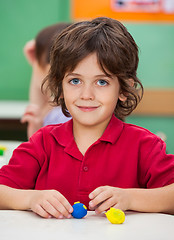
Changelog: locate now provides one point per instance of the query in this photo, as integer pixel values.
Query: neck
(85, 136)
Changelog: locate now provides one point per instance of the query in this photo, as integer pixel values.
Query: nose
(87, 92)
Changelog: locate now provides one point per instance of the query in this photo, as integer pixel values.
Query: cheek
(113, 104)
(112, 100)
(68, 98)
(111, 97)
(65, 91)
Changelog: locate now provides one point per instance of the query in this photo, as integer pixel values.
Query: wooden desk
(27, 225)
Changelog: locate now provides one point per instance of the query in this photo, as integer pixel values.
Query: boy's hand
(102, 198)
(50, 203)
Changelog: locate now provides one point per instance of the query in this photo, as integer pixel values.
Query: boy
(94, 158)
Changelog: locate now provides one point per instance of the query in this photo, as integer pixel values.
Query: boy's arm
(143, 200)
(153, 200)
(11, 198)
(45, 203)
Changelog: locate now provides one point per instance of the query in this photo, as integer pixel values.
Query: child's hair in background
(117, 55)
(44, 41)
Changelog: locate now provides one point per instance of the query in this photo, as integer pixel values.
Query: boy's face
(90, 96)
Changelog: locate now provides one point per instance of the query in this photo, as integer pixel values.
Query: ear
(122, 97)
(29, 51)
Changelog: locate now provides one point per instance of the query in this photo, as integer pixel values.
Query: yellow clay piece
(115, 216)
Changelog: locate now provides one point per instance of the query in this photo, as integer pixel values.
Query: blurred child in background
(40, 112)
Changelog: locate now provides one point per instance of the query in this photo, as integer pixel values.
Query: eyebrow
(78, 75)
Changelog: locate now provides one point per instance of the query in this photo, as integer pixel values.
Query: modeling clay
(80, 210)
(115, 216)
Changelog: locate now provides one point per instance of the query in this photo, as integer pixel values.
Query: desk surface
(27, 225)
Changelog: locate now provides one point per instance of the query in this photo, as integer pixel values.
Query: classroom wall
(156, 70)
(156, 53)
(20, 20)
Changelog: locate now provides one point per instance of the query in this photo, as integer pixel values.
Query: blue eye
(75, 81)
(102, 82)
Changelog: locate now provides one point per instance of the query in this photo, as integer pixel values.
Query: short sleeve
(25, 164)
(156, 167)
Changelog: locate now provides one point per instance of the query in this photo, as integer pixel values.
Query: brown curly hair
(116, 51)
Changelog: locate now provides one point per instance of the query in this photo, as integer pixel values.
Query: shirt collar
(63, 133)
(113, 130)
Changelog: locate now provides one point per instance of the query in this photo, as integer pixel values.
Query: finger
(65, 206)
(27, 118)
(41, 212)
(29, 113)
(32, 108)
(23, 120)
(100, 198)
(95, 207)
(50, 209)
(92, 208)
(104, 206)
(96, 192)
(60, 208)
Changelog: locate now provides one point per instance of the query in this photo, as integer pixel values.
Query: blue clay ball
(80, 210)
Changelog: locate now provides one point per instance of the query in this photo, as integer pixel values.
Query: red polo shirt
(125, 156)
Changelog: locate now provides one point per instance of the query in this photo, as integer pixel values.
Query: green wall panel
(20, 20)
(155, 41)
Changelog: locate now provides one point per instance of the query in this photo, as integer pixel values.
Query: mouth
(87, 108)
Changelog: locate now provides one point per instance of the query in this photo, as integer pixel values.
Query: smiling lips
(87, 109)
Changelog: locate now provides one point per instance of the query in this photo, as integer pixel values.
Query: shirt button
(85, 168)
